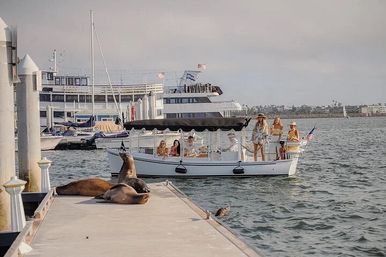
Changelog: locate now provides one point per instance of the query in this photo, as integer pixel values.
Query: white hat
(231, 134)
(293, 123)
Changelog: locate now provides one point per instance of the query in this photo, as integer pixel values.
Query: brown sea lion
(124, 194)
(138, 184)
(85, 187)
(224, 211)
(128, 168)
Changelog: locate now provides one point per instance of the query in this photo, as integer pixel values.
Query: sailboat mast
(92, 61)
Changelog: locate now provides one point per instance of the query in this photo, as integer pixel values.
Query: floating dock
(168, 225)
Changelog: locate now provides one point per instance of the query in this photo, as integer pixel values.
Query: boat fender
(238, 170)
(181, 168)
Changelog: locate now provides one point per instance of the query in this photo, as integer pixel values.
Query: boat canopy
(197, 124)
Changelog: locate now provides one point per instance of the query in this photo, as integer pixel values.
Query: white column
(139, 110)
(152, 105)
(7, 124)
(145, 108)
(28, 125)
(14, 187)
(44, 166)
(128, 112)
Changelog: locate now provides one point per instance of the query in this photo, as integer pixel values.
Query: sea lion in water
(224, 211)
(85, 187)
(124, 194)
(128, 168)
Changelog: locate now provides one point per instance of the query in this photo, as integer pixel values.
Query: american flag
(161, 75)
(201, 66)
(310, 134)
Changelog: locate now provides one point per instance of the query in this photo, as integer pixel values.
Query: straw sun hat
(293, 123)
(261, 115)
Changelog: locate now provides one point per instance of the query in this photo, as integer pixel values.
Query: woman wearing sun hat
(259, 136)
(293, 136)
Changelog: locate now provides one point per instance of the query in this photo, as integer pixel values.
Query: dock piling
(7, 124)
(28, 123)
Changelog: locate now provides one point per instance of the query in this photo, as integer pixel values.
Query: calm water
(335, 206)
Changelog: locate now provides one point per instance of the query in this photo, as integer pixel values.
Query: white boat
(214, 162)
(46, 142)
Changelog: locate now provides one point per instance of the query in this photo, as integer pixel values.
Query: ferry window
(63, 80)
(58, 114)
(77, 81)
(185, 100)
(83, 82)
(47, 89)
(88, 98)
(171, 115)
(45, 97)
(57, 80)
(110, 98)
(71, 98)
(159, 112)
(136, 97)
(99, 98)
(50, 76)
(69, 114)
(126, 98)
(70, 81)
(57, 98)
(43, 114)
(82, 98)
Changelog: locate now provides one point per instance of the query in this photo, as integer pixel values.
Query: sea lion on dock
(138, 184)
(85, 187)
(128, 168)
(124, 194)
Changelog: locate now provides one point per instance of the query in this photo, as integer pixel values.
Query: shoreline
(316, 116)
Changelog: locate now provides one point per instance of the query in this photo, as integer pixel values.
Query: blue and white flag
(190, 76)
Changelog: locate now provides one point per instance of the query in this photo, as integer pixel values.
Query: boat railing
(208, 145)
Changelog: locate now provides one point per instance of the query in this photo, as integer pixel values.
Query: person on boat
(275, 131)
(259, 136)
(189, 149)
(162, 150)
(281, 153)
(175, 149)
(233, 143)
(277, 127)
(293, 137)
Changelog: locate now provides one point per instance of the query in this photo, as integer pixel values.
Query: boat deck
(168, 225)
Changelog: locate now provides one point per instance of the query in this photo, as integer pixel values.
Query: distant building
(373, 109)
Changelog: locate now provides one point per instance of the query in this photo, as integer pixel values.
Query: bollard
(44, 165)
(14, 187)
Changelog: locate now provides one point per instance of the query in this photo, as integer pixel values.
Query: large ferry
(69, 98)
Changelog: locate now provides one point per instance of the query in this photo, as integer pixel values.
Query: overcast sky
(259, 52)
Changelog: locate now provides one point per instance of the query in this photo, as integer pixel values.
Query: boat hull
(150, 166)
(46, 142)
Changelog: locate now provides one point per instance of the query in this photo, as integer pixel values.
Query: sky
(260, 52)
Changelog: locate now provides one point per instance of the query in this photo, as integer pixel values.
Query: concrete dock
(168, 225)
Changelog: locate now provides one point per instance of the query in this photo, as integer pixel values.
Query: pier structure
(8, 76)
(168, 225)
(28, 123)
